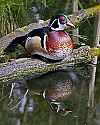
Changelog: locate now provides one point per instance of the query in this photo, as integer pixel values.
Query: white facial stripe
(44, 42)
(53, 22)
(61, 26)
(59, 22)
(66, 17)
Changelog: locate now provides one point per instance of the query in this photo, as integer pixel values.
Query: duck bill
(70, 24)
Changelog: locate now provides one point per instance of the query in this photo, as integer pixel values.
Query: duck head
(60, 22)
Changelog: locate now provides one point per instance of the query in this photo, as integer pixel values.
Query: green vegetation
(19, 13)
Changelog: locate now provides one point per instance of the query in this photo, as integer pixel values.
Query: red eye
(62, 18)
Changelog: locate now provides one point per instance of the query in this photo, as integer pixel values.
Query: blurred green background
(18, 13)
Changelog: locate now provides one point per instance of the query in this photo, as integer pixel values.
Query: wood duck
(59, 94)
(50, 42)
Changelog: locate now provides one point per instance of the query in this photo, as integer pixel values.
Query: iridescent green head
(60, 22)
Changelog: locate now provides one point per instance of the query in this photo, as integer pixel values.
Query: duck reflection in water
(55, 88)
(59, 95)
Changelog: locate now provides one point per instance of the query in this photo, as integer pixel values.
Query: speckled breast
(61, 91)
(58, 40)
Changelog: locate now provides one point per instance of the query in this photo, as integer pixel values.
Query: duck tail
(18, 40)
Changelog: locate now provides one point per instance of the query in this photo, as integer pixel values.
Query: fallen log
(26, 68)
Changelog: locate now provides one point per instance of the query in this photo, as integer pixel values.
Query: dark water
(27, 106)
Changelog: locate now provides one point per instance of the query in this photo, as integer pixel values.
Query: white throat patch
(61, 26)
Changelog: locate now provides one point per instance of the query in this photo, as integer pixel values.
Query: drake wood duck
(57, 89)
(49, 42)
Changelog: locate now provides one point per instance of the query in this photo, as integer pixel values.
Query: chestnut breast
(61, 91)
(58, 40)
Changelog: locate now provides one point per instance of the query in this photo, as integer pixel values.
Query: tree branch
(26, 68)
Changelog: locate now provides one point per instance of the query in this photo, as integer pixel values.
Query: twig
(79, 36)
(12, 87)
(92, 81)
(21, 101)
(91, 103)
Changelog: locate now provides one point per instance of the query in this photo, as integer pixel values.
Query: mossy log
(26, 67)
